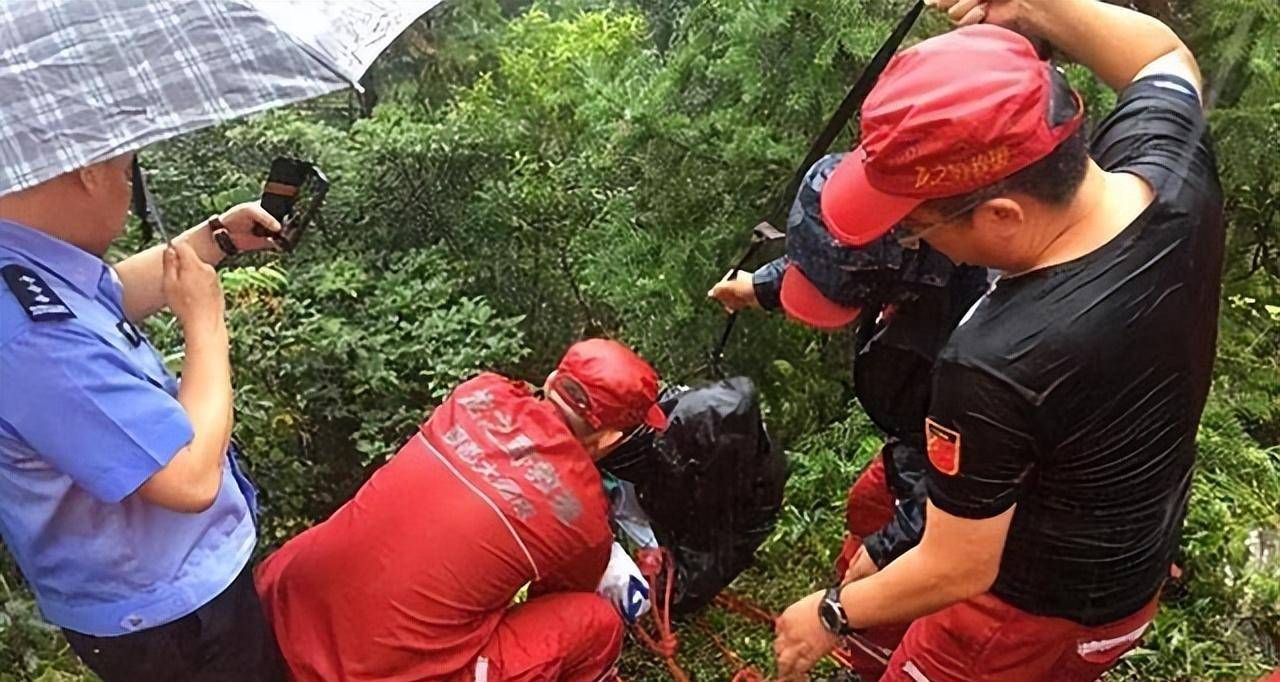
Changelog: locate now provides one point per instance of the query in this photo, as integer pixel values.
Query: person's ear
(1002, 216)
(603, 442)
(99, 178)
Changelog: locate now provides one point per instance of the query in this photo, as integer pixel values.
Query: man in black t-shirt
(1061, 435)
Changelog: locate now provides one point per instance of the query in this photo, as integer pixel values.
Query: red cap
(621, 388)
(802, 301)
(952, 115)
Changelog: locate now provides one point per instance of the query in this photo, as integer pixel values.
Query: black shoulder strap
(38, 299)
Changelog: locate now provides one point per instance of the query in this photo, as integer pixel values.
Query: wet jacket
(894, 353)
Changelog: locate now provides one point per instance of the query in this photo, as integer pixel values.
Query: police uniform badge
(38, 299)
(943, 445)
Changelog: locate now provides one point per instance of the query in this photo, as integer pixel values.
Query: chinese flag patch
(943, 445)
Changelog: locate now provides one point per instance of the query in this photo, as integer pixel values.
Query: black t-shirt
(1075, 391)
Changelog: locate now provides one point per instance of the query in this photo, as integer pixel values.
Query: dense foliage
(517, 177)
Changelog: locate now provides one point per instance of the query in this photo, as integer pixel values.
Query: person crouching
(415, 577)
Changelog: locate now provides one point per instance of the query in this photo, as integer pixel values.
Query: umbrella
(88, 80)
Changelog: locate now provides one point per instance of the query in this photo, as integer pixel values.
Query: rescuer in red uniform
(414, 578)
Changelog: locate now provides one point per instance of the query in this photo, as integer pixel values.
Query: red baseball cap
(804, 302)
(951, 115)
(621, 388)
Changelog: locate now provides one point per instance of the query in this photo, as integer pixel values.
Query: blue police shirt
(88, 412)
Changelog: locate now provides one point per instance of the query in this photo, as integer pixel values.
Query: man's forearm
(205, 394)
(957, 558)
(1113, 42)
(142, 274)
(909, 587)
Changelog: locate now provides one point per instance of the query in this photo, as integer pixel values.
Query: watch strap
(831, 603)
(222, 237)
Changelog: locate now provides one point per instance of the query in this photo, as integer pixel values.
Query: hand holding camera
(246, 228)
(293, 192)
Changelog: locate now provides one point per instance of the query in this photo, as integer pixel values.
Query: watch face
(830, 617)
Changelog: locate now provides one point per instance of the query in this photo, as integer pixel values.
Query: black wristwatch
(831, 613)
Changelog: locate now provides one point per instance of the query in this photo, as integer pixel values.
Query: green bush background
(518, 176)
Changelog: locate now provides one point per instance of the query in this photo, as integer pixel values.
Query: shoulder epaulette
(37, 298)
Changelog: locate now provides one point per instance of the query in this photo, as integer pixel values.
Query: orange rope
(734, 604)
(658, 568)
(743, 607)
(654, 563)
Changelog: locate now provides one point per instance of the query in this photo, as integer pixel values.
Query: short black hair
(1053, 179)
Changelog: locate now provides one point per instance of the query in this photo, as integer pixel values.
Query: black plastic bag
(711, 485)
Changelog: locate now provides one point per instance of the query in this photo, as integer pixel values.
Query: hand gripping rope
(741, 606)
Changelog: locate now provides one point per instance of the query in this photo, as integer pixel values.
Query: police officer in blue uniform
(120, 496)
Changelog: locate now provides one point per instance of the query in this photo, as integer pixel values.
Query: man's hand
(1115, 43)
(800, 640)
(861, 567)
(240, 222)
(961, 12)
(192, 291)
(735, 292)
(1006, 13)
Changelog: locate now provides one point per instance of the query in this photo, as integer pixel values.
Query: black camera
(293, 194)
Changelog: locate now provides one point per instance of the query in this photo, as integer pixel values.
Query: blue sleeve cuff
(172, 433)
(768, 283)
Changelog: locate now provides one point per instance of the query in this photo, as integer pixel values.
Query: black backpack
(711, 485)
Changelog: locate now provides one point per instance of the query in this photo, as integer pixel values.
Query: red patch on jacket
(943, 445)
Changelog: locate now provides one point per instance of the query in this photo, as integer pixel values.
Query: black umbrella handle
(145, 206)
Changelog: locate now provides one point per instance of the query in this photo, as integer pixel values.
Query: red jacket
(408, 580)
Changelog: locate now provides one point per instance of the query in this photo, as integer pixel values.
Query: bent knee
(598, 615)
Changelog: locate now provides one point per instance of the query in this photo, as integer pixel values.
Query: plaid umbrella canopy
(83, 81)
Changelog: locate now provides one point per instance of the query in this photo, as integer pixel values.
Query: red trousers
(571, 636)
(981, 638)
(986, 639)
